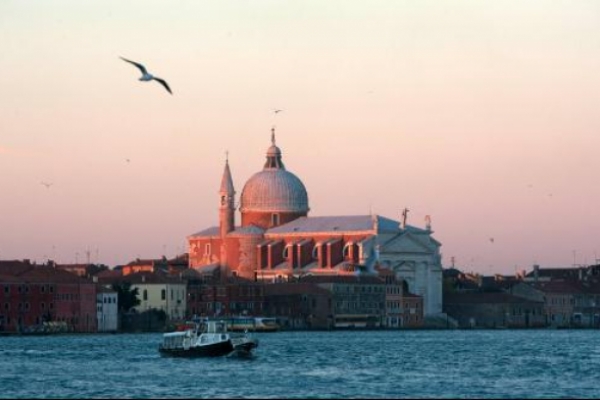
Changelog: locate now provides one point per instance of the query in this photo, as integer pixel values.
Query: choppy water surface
(385, 364)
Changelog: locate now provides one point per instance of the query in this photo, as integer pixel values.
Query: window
(274, 219)
(6, 289)
(207, 249)
(145, 295)
(315, 252)
(163, 294)
(171, 294)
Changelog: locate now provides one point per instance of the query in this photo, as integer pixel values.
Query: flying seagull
(148, 77)
(47, 184)
(277, 111)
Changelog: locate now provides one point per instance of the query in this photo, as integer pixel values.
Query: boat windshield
(216, 327)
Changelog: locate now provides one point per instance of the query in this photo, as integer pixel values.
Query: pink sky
(482, 114)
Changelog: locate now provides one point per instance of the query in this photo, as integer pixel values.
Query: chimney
(536, 272)
(95, 279)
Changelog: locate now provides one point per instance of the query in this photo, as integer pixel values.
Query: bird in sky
(277, 111)
(47, 184)
(147, 76)
(492, 240)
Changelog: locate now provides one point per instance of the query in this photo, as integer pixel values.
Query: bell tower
(227, 203)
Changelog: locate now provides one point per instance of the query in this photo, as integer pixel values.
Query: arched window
(347, 250)
(275, 219)
(315, 252)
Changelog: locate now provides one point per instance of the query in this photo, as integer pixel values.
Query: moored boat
(206, 339)
(252, 324)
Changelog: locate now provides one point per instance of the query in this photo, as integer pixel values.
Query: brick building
(33, 294)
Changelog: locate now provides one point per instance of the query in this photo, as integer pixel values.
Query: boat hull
(209, 350)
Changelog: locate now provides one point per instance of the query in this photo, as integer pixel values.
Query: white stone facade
(415, 257)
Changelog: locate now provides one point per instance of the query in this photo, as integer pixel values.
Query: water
(381, 364)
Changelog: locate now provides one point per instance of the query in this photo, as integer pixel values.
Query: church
(277, 240)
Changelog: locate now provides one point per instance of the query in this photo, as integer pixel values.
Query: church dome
(274, 189)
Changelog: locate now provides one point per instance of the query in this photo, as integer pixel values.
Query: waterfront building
(299, 305)
(559, 299)
(494, 310)
(107, 308)
(158, 291)
(278, 241)
(393, 299)
(34, 294)
(214, 298)
(356, 301)
(412, 311)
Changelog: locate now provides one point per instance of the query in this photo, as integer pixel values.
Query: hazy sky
(482, 114)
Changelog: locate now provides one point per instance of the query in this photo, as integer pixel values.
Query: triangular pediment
(405, 243)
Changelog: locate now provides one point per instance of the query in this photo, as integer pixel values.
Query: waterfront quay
(155, 294)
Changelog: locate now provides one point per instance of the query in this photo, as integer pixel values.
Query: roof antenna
(273, 135)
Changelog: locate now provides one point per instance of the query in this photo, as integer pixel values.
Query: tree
(127, 297)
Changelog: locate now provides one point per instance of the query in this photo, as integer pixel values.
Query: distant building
(35, 294)
(299, 305)
(558, 297)
(356, 301)
(158, 291)
(412, 310)
(172, 266)
(394, 293)
(107, 309)
(277, 240)
(494, 310)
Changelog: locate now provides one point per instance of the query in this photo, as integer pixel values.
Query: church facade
(277, 240)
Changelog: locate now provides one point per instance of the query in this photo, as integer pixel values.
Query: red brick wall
(87, 321)
(232, 246)
(25, 305)
(197, 248)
